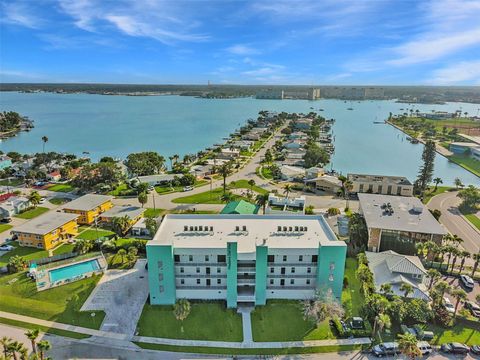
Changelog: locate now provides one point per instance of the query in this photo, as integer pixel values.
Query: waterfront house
(244, 145)
(462, 148)
(292, 173)
(200, 171)
(47, 231)
(5, 162)
(295, 144)
(89, 207)
(380, 184)
(244, 259)
(327, 183)
(294, 153)
(54, 176)
(314, 172)
(302, 124)
(291, 162)
(241, 207)
(388, 267)
(228, 153)
(297, 135)
(251, 136)
(285, 205)
(398, 223)
(157, 179)
(13, 205)
(133, 213)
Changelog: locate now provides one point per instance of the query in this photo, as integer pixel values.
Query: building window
(182, 281)
(332, 266)
(176, 258)
(160, 264)
(190, 258)
(237, 228)
(284, 228)
(191, 228)
(314, 258)
(244, 228)
(200, 228)
(221, 258)
(279, 228)
(284, 257)
(271, 258)
(219, 270)
(272, 281)
(208, 282)
(309, 270)
(300, 258)
(198, 270)
(219, 281)
(292, 270)
(296, 228)
(161, 288)
(330, 278)
(198, 281)
(207, 258)
(272, 270)
(182, 270)
(308, 282)
(292, 281)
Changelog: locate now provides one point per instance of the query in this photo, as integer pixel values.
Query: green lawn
(266, 173)
(60, 304)
(473, 218)
(116, 262)
(243, 184)
(257, 352)
(467, 162)
(127, 242)
(5, 227)
(61, 188)
(153, 212)
(352, 299)
(431, 193)
(63, 249)
(59, 200)
(458, 333)
(32, 213)
(11, 182)
(207, 321)
(122, 190)
(207, 197)
(59, 332)
(92, 234)
(167, 189)
(28, 253)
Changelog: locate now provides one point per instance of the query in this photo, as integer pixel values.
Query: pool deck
(43, 274)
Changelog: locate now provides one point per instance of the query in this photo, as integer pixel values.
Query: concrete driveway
(121, 294)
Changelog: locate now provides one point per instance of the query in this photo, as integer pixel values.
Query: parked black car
(455, 348)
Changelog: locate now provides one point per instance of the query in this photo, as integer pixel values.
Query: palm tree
(476, 258)
(121, 225)
(32, 335)
(122, 253)
(5, 342)
(441, 288)
(262, 200)
(181, 310)
(34, 198)
(44, 140)
(437, 181)
(464, 254)
(14, 348)
(227, 197)
(171, 161)
(142, 198)
(406, 288)
(386, 289)
(458, 183)
(459, 295)
(225, 171)
(434, 275)
(251, 182)
(407, 344)
(43, 346)
(287, 189)
(455, 253)
(382, 321)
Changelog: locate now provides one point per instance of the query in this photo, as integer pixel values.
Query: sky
(375, 42)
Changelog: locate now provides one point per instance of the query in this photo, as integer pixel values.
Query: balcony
(246, 281)
(296, 276)
(198, 276)
(284, 264)
(288, 287)
(200, 287)
(211, 264)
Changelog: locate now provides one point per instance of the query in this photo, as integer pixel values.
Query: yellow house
(48, 230)
(89, 207)
(133, 213)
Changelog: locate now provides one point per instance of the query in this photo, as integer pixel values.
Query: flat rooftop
(380, 179)
(45, 223)
(215, 231)
(409, 214)
(120, 211)
(87, 202)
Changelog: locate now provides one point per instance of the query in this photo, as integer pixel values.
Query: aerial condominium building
(244, 259)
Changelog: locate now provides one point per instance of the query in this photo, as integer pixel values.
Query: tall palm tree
(476, 258)
(458, 183)
(227, 197)
(225, 171)
(406, 288)
(287, 189)
(441, 288)
(43, 346)
(459, 295)
(262, 200)
(382, 321)
(181, 310)
(34, 198)
(434, 275)
(142, 198)
(5, 342)
(407, 343)
(14, 348)
(437, 181)
(455, 253)
(121, 225)
(386, 289)
(171, 161)
(32, 335)
(44, 140)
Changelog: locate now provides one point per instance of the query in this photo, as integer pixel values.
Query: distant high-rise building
(270, 94)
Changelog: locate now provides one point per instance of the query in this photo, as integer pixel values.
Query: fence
(68, 261)
(54, 258)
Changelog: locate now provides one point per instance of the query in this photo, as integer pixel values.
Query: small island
(12, 122)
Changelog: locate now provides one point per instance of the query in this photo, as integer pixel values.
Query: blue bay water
(119, 125)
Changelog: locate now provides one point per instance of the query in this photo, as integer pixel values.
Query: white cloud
(18, 13)
(265, 70)
(241, 49)
(459, 73)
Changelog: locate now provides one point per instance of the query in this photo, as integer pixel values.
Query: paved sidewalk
(176, 342)
(247, 326)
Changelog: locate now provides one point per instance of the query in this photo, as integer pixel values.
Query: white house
(13, 206)
(295, 144)
(228, 153)
(326, 183)
(292, 173)
(284, 205)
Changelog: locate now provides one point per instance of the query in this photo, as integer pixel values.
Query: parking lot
(455, 283)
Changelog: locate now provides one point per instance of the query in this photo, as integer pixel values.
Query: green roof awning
(241, 207)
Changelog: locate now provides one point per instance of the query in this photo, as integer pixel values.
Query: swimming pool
(74, 270)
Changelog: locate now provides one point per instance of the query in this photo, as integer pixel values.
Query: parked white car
(6, 247)
(424, 347)
(188, 188)
(467, 281)
(448, 305)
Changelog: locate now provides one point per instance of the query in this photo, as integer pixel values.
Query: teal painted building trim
(261, 275)
(331, 268)
(232, 293)
(161, 275)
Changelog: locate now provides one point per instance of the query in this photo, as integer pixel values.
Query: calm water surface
(118, 125)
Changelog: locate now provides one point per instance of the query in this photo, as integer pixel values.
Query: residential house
(200, 171)
(327, 183)
(302, 124)
(295, 144)
(380, 184)
(228, 153)
(48, 230)
(292, 173)
(13, 205)
(388, 267)
(133, 213)
(244, 259)
(285, 205)
(398, 223)
(89, 207)
(297, 135)
(54, 176)
(314, 172)
(140, 229)
(157, 179)
(462, 148)
(244, 145)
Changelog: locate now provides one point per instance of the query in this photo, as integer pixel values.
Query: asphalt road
(453, 220)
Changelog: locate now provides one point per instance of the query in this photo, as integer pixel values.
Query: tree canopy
(145, 163)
